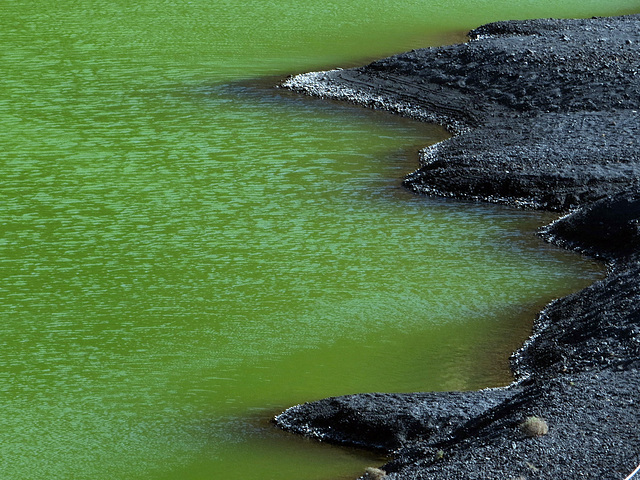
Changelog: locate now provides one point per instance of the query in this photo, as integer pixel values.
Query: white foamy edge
(320, 84)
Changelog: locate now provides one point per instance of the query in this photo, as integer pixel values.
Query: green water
(185, 251)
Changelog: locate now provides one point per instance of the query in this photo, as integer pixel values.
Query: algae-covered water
(185, 251)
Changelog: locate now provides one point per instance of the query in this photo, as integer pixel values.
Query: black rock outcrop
(545, 115)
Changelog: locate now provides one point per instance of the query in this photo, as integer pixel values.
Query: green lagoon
(186, 251)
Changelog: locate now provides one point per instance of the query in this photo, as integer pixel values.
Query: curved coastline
(545, 115)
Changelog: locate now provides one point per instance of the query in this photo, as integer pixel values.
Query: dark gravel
(546, 115)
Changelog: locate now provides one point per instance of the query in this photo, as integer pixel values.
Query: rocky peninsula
(545, 115)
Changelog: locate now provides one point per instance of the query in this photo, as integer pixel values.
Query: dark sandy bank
(546, 115)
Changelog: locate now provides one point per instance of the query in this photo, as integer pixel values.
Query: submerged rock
(546, 116)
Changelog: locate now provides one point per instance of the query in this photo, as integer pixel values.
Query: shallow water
(185, 251)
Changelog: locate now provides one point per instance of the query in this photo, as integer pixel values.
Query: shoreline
(545, 115)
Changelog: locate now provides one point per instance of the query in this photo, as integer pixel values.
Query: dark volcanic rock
(552, 106)
(554, 161)
(386, 421)
(598, 327)
(546, 113)
(607, 229)
(592, 419)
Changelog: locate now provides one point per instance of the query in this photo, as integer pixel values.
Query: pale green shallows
(185, 251)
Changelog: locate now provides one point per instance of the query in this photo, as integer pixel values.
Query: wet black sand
(546, 115)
